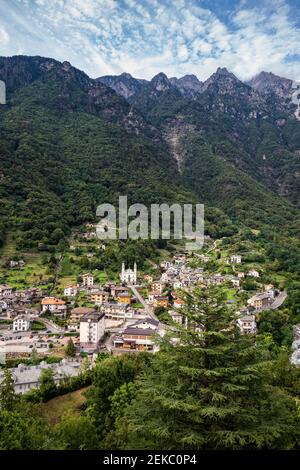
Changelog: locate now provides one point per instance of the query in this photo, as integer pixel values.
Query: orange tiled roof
(52, 301)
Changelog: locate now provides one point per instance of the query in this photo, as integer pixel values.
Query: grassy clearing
(53, 410)
(101, 278)
(230, 293)
(33, 272)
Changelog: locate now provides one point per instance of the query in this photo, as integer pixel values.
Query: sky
(145, 37)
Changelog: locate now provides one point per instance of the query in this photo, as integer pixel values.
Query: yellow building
(99, 297)
(124, 298)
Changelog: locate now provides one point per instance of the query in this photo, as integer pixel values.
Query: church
(129, 276)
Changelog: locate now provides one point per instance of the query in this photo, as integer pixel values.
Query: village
(119, 317)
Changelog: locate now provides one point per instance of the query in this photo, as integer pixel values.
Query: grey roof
(248, 318)
(261, 296)
(30, 374)
(82, 310)
(93, 316)
(139, 331)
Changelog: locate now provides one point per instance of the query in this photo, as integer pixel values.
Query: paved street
(141, 299)
(50, 325)
(279, 300)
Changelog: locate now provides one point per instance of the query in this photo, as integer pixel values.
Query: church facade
(129, 276)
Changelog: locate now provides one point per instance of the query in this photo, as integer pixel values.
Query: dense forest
(69, 143)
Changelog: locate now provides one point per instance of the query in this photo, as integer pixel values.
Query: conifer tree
(7, 391)
(70, 349)
(210, 389)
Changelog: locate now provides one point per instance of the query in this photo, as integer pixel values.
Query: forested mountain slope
(69, 143)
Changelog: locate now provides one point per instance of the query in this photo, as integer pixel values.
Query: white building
(87, 279)
(3, 306)
(179, 258)
(16, 264)
(92, 327)
(27, 377)
(55, 306)
(21, 323)
(176, 317)
(235, 282)
(70, 291)
(247, 324)
(166, 264)
(5, 290)
(236, 259)
(179, 303)
(177, 284)
(269, 289)
(128, 276)
(253, 273)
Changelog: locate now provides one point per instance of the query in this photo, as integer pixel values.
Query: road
(51, 325)
(152, 263)
(141, 299)
(214, 245)
(279, 300)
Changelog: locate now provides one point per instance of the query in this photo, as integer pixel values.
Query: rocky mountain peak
(223, 71)
(188, 85)
(66, 66)
(268, 82)
(124, 85)
(223, 82)
(189, 78)
(161, 82)
(126, 75)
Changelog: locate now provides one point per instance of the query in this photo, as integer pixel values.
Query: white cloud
(4, 37)
(144, 38)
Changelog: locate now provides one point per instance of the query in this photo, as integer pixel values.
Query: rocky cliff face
(124, 85)
(225, 93)
(259, 98)
(249, 127)
(189, 85)
(160, 82)
(276, 90)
